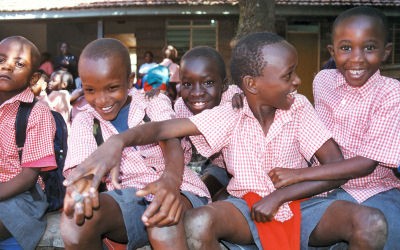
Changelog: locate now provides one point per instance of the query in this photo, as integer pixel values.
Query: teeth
(292, 94)
(356, 72)
(106, 108)
(198, 103)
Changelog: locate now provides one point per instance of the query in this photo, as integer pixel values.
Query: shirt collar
(25, 96)
(363, 90)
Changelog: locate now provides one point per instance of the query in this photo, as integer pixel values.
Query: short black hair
(247, 57)
(148, 52)
(107, 48)
(210, 53)
(364, 11)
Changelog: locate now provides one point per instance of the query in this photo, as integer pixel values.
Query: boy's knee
(70, 235)
(371, 226)
(198, 224)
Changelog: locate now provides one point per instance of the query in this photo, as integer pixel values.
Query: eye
(19, 64)
(88, 91)
(186, 84)
(113, 88)
(345, 48)
(370, 47)
(288, 76)
(209, 83)
(2, 59)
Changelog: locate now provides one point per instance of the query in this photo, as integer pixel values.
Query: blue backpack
(53, 180)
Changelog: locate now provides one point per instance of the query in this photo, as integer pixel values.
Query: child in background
(39, 87)
(148, 64)
(170, 55)
(204, 86)
(58, 96)
(275, 128)
(122, 216)
(22, 201)
(361, 108)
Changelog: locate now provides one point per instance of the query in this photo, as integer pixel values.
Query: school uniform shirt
(38, 151)
(295, 135)
(364, 122)
(140, 165)
(182, 111)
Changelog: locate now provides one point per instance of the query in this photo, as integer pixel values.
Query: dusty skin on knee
(371, 228)
(198, 227)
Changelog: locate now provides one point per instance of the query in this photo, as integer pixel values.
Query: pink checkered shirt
(38, 147)
(295, 135)
(182, 111)
(139, 166)
(364, 122)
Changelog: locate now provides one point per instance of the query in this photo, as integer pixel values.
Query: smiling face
(278, 82)
(359, 48)
(105, 85)
(201, 83)
(17, 59)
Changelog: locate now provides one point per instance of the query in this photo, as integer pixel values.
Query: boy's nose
(197, 89)
(357, 55)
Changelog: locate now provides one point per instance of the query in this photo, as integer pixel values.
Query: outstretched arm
(107, 157)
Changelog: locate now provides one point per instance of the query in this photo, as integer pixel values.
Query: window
(395, 39)
(186, 34)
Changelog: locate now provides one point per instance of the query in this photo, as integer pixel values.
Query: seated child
(58, 95)
(122, 216)
(361, 108)
(39, 87)
(204, 86)
(275, 128)
(22, 201)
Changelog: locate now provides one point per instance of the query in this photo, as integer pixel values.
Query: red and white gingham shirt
(182, 111)
(295, 135)
(38, 148)
(364, 122)
(139, 166)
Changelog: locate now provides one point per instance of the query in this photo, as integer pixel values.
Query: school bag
(54, 189)
(156, 77)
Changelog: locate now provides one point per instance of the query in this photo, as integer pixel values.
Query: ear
(331, 50)
(35, 77)
(64, 85)
(131, 78)
(388, 50)
(249, 84)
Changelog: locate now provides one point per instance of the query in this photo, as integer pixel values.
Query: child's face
(279, 81)
(105, 85)
(359, 48)
(201, 84)
(55, 82)
(15, 66)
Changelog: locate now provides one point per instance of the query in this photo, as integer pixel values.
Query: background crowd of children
(199, 161)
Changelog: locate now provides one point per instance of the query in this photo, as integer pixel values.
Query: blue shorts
(244, 209)
(23, 216)
(387, 202)
(133, 207)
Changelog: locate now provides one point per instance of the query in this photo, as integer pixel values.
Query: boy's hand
(237, 101)
(282, 177)
(151, 93)
(266, 208)
(80, 200)
(105, 159)
(166, 207)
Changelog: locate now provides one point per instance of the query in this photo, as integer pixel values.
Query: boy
(122, 216)
(276, 127)
(22, 201)
(361, 108)
(204, 86)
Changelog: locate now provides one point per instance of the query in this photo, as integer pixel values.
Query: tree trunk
(255, 15)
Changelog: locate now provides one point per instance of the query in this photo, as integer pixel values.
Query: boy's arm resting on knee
(166, 208)
(22, 182)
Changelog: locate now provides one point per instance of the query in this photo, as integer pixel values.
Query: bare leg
(362, 227)
(219, 220)
(107, 220)
(172, 237)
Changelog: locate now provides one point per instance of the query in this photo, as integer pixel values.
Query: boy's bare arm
(166, 208)
(107, 157)
(329, 170)
(19, 184)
